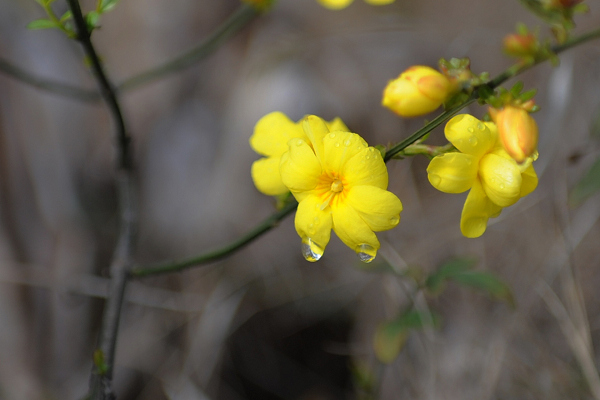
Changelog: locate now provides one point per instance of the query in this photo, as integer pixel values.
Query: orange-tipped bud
(519, 45)
(517, 130)
(417, 91)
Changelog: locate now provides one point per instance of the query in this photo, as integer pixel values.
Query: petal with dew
(299, 167)
(477, 210)
(452, 172)
(313, 223)
(338, 148)
(351, 228)
(366, 168)
(469, 135)
(266, 176)
(501, 179)
(379, 208)
(273, 132)
(530, 181)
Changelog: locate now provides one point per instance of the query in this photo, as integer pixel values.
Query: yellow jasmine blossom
(271, 135)
(517, 131)
(481, 165)
(339, 4)
(417, 91)
(340, 183)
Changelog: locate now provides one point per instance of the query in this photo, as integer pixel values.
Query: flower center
(337, 186)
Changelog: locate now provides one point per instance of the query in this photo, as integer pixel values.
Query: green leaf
(516, 89)
(587, 186)
(66, 16)
(41, 24)
(92, 19)
(528, 95)
(391, 336)
(461, 271)
(107, 5)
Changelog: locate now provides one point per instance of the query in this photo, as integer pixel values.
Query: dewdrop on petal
(417, 91)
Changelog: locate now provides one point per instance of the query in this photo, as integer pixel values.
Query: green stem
(243, 15)
(494, 83)
(221, 252)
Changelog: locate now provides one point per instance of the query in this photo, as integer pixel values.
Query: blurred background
(264, 323)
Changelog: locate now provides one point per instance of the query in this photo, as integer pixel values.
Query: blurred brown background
(264, 323)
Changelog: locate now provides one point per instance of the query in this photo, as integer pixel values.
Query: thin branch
(101, 379)
(494, 83)
(240, 18)
(49, 85)
(221, 252)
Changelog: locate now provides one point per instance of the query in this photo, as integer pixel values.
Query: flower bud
(519, 45)
(517, 130)
(417, 91)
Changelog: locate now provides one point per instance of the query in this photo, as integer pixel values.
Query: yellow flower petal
(299, 167)
(315, 129)
(452, 172)
(470, 135)
(266, 177)
(366, 168)
(339, 147)
(477, 210)
(530, 181)
(352, 229)
(379, 208)
(335, 4)
(501, 179)
(337, 125)
(272, 134)
(313, 223)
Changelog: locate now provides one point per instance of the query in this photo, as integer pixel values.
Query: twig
(101, 379)
(49, 85)
(222, 252)
(240, 18)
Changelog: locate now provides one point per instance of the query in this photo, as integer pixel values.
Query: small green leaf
(461, 271)
(528, 95)
(41, 24)
(92, 19)
(587, 186)
(516, 89)
(391, 336)
(107, 5)
(66, 16)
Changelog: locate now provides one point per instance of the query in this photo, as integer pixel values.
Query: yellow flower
(339, 4)
(417, 91)
(271, 135)
(517, 130)
(483, 166)
(340, 183)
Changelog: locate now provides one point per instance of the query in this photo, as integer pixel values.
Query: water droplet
(365, 252)
(316, 219)
(394, 220)
(435, 180)
(337, 144)
(311, 229)
(347, 142)
(480, 126)
(502, 186)
(310, 250)
(470, 129)
(332, 135)
(367, 157)
(299, 142)
(371, 149)
(473, 140)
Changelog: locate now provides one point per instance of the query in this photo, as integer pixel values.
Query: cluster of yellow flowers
(339, 181)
